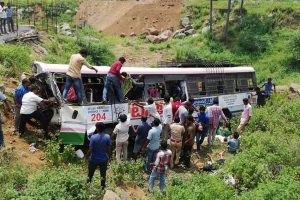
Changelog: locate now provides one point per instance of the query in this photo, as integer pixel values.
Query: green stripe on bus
(72, 138)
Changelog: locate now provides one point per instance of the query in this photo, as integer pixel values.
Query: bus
(229, 84)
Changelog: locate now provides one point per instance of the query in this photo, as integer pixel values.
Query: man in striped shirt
(215, 112)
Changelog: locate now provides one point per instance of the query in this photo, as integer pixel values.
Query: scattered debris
(79, 154)
(32, 148)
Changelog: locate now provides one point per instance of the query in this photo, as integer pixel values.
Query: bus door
(176, 86)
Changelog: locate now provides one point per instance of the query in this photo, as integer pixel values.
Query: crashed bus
(229, 83)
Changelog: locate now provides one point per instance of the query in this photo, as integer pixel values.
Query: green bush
(294, 45)
(60, 183)
(14, 59)
(250, 42)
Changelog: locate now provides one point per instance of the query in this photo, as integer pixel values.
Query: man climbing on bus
(74, 75)
(114, 77)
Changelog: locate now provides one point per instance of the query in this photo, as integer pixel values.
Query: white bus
(229, 84)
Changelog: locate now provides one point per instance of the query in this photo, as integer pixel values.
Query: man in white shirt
(30, 110)
(246, 116)
(167, 118)
(121, 130)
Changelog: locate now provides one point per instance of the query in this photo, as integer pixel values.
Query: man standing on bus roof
(246, 116)
(215, 112)
(268, 87)
(74, 74)
(114, 77)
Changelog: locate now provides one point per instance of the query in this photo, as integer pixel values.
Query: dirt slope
(129, 16)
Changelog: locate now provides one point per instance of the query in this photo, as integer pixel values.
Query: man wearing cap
(74, 74)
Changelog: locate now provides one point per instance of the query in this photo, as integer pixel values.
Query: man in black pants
(99, 153)
(29, 110)
(189, 141)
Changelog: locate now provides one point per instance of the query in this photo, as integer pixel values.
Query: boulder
(153, 39)
(178, 32)
(190, 32)
(122, 35)
(188, 27)
(180, 35)
(282, 88)
(185, 21)
(132, 34)
(165, 35)
(153, 31)
(205, 29)
(295, 88)
(110, 195)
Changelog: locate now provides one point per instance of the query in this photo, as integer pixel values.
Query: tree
(210, 16)
(227, 21)
(241, 8)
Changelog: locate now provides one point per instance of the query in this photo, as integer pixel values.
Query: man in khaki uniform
(177, 131)
(74, 74)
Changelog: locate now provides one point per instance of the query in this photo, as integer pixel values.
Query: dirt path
(129, 16)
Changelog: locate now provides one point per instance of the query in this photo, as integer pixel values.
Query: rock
(132, 34)
(295, 88)
(180, 35)
(153, 31)
(110, 195)
(153, 39)
(185, 21)
(122, 35)
(177, 32)
(65, 29)
(188, 27)
(165, 35)
(292, 96)
(190, 32)
(282, 88)
(205, 29)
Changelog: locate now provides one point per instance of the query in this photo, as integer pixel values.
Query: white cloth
(247, 113)
(152, 113)
(121, 130)
(167, 116)
(29, 103)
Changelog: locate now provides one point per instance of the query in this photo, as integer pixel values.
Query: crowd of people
(6, 18)
(163, 141)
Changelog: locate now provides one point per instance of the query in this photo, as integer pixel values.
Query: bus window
(237, 85)
(156, 91)
(250, 85)
(220, 87)
(229, 86)
(243, 85)
(201, 87)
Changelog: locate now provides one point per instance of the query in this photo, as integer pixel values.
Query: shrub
(294, 45)
(14, 59)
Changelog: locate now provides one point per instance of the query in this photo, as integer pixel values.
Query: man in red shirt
(176, 105)
(114, 76)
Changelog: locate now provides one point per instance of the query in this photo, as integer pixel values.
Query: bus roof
(62, 68)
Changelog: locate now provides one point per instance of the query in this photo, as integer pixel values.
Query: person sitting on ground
(246, 116)
(268, 87)
(160, 167)
(74, 74)
(234, 143)
(177, 130)
(114, 76)
(29, 110)
(121, 131)
(7, 105)
(99, 153)
(141, 136)
(152, 142)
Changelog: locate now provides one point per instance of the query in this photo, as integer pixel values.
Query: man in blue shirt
(152, 143)
(18, 95)
(234, 144)
(10, 22)
(3, 98)
(268, 87)
(99, 153)
(141, 136)
(202, 128)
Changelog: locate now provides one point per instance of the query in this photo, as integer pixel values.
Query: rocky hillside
(129, 17)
